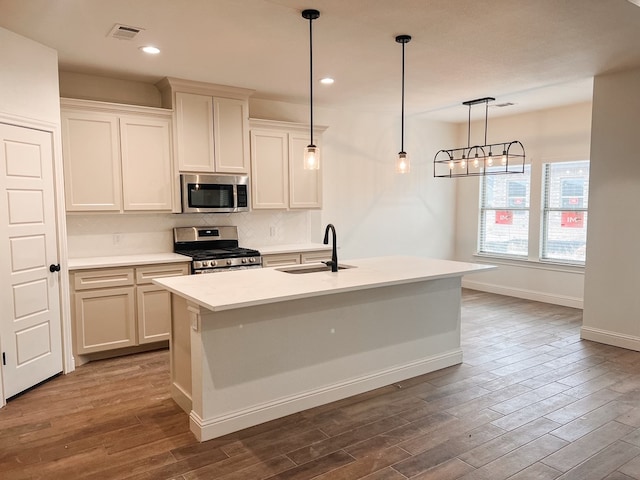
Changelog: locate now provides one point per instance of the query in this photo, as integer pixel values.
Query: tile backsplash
(96, 235)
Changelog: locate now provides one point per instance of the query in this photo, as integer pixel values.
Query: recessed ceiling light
(327, 81)
(151, 50)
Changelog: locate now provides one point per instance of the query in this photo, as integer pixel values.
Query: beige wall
(558, 134)
(29, 79)
(612, 302)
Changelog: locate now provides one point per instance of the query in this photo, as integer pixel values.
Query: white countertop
(258, 286)
(290, 248)
(126, 260)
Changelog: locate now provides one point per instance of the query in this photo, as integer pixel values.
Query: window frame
(534, 258)
(546, 209)
(483, 209)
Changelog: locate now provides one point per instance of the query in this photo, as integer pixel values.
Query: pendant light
(402, 162)
(311, 153)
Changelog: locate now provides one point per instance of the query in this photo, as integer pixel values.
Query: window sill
(526, 263)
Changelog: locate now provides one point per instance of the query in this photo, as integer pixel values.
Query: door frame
(68, 361)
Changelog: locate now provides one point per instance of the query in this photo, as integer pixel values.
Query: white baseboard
(206, 429)
(610, 338)
(182, 398)
(536, 296)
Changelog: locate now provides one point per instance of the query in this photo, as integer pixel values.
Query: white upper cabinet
(211, 124)
(116, 158)
(91, 152)
(269, 169)
(278, 177)
(194, 132)
(146, 163)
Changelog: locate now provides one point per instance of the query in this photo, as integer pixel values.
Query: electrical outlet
(272, 231)
(116, 239)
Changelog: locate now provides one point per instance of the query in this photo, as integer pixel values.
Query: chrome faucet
(334, 252)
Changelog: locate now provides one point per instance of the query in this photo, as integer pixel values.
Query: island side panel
(180, 352)
(254, 364)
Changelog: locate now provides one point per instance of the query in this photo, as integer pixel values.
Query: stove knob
(213, 263)
(205, 264)
(244, 260)
(252, 260)
(229, 262)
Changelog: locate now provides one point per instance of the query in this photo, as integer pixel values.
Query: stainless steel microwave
(214, 193)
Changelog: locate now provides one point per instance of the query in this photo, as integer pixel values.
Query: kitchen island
(249, 346)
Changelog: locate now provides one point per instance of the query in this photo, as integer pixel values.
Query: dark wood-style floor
(530, 401)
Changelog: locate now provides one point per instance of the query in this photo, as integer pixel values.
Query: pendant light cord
(311, 76)
(402, 118)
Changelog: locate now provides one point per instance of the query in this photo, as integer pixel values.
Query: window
(564, 234)
(504, 214)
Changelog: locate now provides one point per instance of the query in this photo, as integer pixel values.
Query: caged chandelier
(487, 159)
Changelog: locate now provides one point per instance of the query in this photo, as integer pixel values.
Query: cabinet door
(269, 170)
(280, 259)
(231, 120)
(154, 313)
(305, 186)
(104, 319)
(91, 155)
(146, 163)
(194, 127)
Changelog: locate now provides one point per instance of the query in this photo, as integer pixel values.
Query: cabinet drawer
(280, 259)
(105, 277)
(314, 257)
(146, 274)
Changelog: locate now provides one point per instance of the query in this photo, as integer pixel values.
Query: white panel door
(30, 324)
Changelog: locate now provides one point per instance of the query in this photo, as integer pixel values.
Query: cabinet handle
(54, 268)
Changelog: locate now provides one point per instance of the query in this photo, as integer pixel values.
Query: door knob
(54, 268)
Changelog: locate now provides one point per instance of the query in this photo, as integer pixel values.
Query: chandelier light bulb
(463, 163)
(490, 159)
(451, 165)
(504, 157)
(475, 161)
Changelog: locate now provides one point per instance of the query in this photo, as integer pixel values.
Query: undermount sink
(311, 268)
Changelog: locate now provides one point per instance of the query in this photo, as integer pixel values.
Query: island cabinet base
(254, 364)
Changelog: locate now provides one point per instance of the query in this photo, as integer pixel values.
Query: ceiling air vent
(505, 104)
(124, 32)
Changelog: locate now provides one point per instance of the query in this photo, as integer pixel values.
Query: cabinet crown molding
(169, 85)
(98, 106)
(257, 123)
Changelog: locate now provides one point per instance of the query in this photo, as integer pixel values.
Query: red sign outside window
(504, 217)
(572, 219)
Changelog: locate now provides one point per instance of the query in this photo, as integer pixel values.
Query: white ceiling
(534, 53)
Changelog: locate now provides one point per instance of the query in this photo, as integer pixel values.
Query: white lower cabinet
(120, 307)
(295, 258)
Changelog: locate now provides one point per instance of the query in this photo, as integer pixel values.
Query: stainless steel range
(214, 249)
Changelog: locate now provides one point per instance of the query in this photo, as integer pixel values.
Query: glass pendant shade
(402, 163)
(311, 158)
